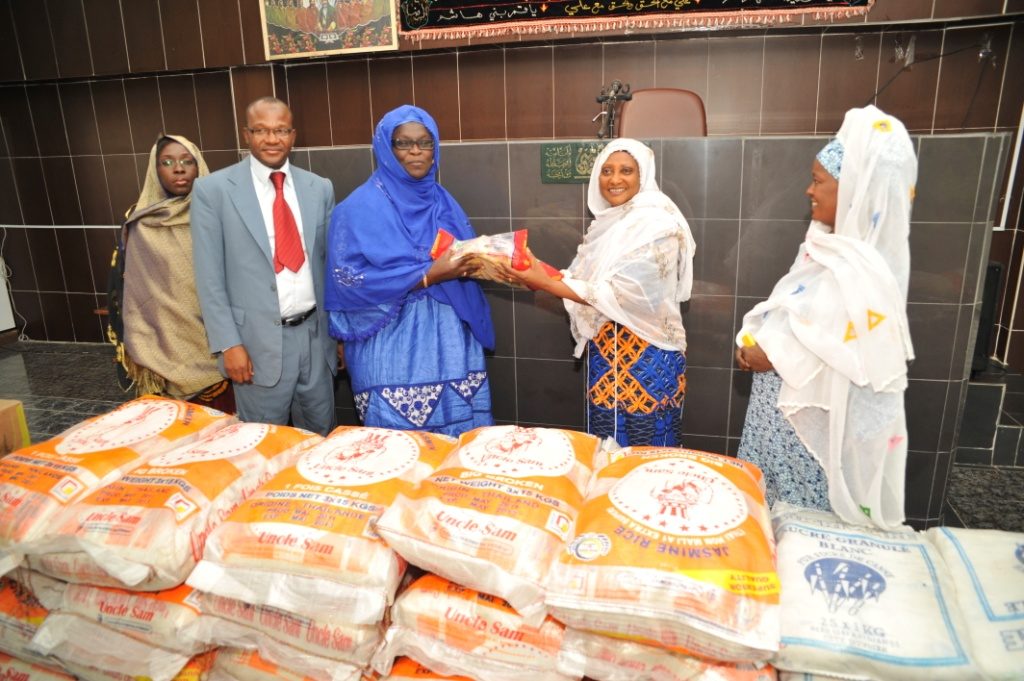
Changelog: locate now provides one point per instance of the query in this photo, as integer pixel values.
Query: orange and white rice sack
(673, 548)
(862, 603)
(157, 618)
(408, 669)
(323, 648)
(306, 541)
(459, 631)
(196, 669)
(21, 614)
(40, 480)
(14, 669)
(603, 658)
(987, 568)
(47, 590)
(146, 530)
(497, 513)
(238, 664)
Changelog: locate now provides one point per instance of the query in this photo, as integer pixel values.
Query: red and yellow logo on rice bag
(408, 669)
(17, 603)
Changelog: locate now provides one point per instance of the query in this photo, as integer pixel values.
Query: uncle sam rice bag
(14, 669)
(238, 664)
(306, 542)
(861, 603)
(673, 548)
(497, 513)
(41, 479)
(146, 530)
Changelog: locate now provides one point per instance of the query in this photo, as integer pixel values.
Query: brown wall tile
(216, 110)
(62, 191)
(390, 85)
(73, 251)
(178, 100)
(999, 251)
(28, 306)
(10, 211)
(34, 39)
(144, 114)
(70, 38)
(16, 118)
(93, 195)
(101, 249)
(734, 85)
(436, 90)
(967, 8)
(969, 89)
(47, 119)
(682, 64)
(910, 96)
(529, 92)
(57, 317)
(1010, 277)
(252, 32)
(46, 258)
(122, 183)
(143, 36)
(482, 97)
(10, 58)
(222, 32)
(18, 256)
(216, 160)
(106, 36)
(183, 44)
(87, 325)
(79, 118)
(1015, 350)
(249, 84)
(578, 76)
(115, 135)
(35, 207)
(791, 68)
(1013, 83)
(311, 111)
(900, 10)
(845, 81)
(631, 63)
(348, 85)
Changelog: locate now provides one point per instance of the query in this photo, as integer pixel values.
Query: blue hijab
(378, 245)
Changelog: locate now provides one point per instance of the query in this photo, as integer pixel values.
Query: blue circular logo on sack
(844, 584)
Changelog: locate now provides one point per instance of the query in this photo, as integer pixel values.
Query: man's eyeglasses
(183, 162)
(425, 144)
(276, 132)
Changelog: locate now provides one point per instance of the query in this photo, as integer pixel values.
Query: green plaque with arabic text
(568, 162)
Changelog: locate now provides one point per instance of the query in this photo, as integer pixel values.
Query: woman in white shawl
(831, 344)
(622, 292)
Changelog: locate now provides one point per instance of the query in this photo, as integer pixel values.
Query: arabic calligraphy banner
(441, 19)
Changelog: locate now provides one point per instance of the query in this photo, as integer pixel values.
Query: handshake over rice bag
(486, 251)
(673, 548)
(498, 512)
(42, 479)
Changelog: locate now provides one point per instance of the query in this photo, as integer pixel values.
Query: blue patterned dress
(791, 473)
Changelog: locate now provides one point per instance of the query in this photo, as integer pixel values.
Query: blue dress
(791, 473)
(423, 371)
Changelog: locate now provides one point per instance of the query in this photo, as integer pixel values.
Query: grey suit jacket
(234, 265)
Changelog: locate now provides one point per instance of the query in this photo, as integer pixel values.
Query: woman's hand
(533, 277)
(446, 268)
(752, 358)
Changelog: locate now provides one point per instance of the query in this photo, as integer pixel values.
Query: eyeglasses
(425, 144)
(276, 132)
(183, 162)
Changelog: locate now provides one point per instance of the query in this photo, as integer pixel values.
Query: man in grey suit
(259, 233)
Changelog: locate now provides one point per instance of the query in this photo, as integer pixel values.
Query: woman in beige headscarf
(164, 341)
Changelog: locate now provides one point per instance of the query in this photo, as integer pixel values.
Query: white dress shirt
(294, 289)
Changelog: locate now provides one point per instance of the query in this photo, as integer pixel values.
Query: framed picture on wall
(308, 28)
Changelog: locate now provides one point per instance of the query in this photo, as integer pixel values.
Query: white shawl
(835, 327)
(635, 264)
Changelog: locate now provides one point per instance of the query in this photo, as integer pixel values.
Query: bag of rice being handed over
(603, 658)
(38, 481)
(306, 542)
(458, 631)
(293, 640)
(146, 530)
(488, 250)
(987, 568)
(673, 548)
(862, 603)
(13, 669)
(497, 513)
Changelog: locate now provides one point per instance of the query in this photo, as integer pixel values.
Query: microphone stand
(608, 99)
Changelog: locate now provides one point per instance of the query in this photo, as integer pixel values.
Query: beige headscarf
(164, 337)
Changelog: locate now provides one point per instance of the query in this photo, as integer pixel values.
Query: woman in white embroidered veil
(831, 344)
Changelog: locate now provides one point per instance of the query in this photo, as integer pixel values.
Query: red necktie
(287, 245)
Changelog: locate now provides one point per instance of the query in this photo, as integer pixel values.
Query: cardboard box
(13, 427)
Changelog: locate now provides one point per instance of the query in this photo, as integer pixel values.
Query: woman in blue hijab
(414, 329)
